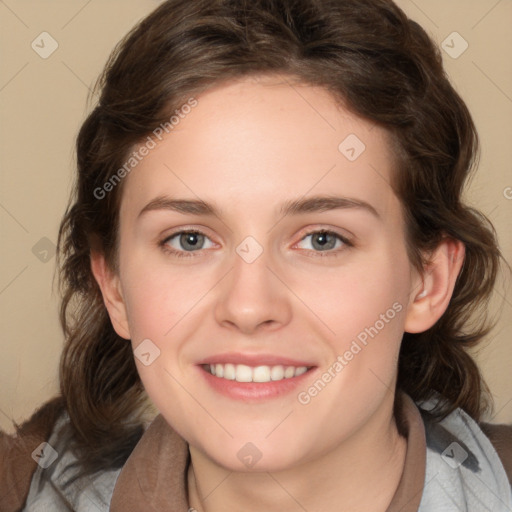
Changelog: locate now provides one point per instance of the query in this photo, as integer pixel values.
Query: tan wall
(43, 102)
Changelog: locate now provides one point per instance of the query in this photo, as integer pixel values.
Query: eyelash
(191, 254)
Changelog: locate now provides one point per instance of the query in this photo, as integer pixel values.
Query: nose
(253, 297)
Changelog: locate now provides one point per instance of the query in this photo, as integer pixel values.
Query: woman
(267, 239)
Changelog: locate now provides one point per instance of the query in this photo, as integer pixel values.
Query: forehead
(257, 142)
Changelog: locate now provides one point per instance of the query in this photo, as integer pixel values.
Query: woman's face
(298, 264)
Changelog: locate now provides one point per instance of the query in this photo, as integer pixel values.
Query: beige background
(43, 102)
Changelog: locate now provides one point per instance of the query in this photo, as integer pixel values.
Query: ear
(110, 288)
(428, 303)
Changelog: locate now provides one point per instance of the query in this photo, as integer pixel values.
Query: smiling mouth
(244, 373)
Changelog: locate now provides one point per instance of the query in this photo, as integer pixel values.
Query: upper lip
(254, 360)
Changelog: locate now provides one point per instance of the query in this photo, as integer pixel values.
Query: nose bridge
(250, 270)
(252, 295)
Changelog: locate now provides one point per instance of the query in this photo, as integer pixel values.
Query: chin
(250, 458)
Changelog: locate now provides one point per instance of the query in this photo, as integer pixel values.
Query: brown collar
(154, 477)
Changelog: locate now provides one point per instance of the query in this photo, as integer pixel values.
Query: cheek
(363, 306)
(353, 298)
(157, 296)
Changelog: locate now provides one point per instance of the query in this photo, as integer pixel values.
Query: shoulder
(501, 439)
(38, 467)
(489, 439)
(60, 485)
(21, 451)
(463, 460)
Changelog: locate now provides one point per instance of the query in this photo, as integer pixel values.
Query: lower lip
(254, 391)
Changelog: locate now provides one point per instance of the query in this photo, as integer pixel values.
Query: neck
(362, 473)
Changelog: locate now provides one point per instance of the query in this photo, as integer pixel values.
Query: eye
(325, 241)
(184, 242)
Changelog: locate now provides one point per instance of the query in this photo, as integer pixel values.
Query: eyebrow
(293, 207)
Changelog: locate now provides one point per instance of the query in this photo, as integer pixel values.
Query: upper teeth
(244, 373)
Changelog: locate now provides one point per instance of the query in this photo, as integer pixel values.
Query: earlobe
(111, 291)
(429, 303)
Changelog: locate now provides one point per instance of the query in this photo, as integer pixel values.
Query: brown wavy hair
(369, 56)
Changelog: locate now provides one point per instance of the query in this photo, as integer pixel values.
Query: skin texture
(247, 147)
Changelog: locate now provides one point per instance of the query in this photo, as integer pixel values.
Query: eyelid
(186, 229)
(344, 234)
